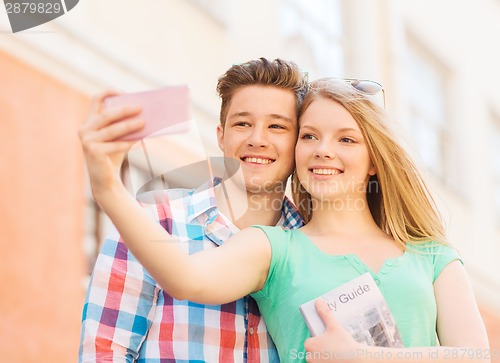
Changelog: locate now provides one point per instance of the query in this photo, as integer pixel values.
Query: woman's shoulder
(272, 230)
(278, 230)
(431, 248)
(436, 253)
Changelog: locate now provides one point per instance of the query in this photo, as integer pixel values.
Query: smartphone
(164, 110)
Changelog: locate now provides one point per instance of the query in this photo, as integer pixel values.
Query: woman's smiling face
(331, 156)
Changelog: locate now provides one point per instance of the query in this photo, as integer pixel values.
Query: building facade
(437, 60)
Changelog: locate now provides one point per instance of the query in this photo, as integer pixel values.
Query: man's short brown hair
(277, 73)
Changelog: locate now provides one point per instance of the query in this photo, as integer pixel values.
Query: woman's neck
(342, 217)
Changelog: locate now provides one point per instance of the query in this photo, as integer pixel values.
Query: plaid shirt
(127, 317)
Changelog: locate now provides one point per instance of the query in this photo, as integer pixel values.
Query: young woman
(368, 210)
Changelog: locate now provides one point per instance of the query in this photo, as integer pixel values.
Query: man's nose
(258, 137)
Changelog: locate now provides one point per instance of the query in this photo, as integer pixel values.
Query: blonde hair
(398, 197)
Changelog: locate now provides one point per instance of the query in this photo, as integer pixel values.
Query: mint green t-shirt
(300, 272)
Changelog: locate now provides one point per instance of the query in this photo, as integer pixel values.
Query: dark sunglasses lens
(367, 86)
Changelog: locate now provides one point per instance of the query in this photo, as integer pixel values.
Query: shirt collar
(203, 201)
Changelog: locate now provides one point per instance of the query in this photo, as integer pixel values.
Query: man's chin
(265, 186)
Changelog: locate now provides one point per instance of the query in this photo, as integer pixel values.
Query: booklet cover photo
(361, 309)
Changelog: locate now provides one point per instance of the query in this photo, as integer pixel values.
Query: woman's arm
(459, 323)
(459, 326)
(213, 276)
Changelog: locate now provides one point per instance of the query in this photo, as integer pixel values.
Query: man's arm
(239, 268)
(120, 294)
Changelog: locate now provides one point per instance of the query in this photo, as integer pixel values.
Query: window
(495, 160)
(98, 226)
(217, 9)
(313, 30)
(145, 162)
(92, 239)
(425, 88)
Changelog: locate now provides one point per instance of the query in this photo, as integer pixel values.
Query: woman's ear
(372, 171)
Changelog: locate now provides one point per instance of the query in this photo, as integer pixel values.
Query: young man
(127, 317)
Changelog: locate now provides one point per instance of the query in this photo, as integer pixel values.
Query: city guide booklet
(361, 309)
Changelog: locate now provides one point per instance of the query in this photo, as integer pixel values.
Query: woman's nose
(324, 151)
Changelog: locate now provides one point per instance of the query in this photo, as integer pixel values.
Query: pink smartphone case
(164, 110)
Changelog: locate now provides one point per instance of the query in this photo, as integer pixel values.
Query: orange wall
(41, 215)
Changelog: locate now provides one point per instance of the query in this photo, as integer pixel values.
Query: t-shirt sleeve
(278, 239)
(443, 255)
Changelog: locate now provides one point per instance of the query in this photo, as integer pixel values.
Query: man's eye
(241, 123)
(277, 126)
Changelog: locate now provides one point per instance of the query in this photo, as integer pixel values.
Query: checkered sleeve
(119, 306)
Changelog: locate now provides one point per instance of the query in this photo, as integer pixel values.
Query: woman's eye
(347, 140)
(307, 137)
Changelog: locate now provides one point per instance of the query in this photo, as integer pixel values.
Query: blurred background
(437, 60)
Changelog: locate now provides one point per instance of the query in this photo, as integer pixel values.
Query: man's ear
(220, 137)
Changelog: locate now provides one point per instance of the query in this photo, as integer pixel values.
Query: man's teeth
(258, 160)
(326, 171)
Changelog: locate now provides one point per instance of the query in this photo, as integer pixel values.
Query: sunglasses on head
(361, 85)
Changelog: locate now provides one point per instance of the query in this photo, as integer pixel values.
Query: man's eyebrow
(282, 117)
(272, 116)
(239, 114)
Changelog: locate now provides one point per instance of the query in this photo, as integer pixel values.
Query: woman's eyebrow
(347, 129)
(307, 127)
(344, 129)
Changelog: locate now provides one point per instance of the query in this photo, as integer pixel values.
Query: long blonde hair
(398, 197)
